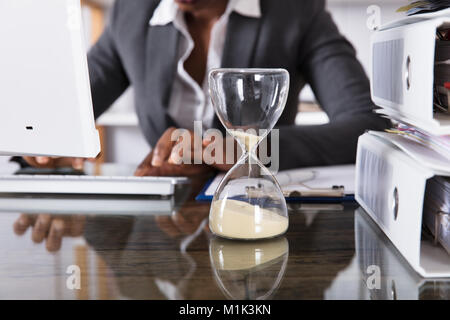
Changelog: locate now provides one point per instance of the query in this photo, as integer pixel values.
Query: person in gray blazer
(163, 49)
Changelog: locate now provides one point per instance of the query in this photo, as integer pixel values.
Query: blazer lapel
(240, 42)
(161, 62)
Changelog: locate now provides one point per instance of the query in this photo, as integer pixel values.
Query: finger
(165, 223)
(207, 142)
(170, 170)
(39, 162)
(196, 150)
(41, 228)
(148, 172)
(163, 148)
(187, 150)
(186, 226)
(176, 155)
(54, 239)
(31, 161)
(76, 226)
(78, 163)
(144, 166)
(211, 145)
(64, 162)
(22, 224)
(165, 170)
(184, 170)
(47, 162)
(222, 167)
(43, 160)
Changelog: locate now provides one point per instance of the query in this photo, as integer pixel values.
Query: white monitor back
(45, 98)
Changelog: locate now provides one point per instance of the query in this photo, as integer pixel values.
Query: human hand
(158, 162)
(50, 228)
(48, 162)
(176, 146)
(171, 170)
(181, 147)
(185, 221)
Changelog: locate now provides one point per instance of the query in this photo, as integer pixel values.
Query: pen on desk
(333, 192)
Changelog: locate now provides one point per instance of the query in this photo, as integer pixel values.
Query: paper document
(308, 179)
(424, 6)
(440, 144)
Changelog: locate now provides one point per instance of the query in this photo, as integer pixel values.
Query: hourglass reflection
(251, 270)
(248, 203)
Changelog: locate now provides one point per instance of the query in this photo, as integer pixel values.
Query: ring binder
(403, 71)
(391, 184)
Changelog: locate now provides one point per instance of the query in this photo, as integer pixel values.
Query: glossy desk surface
(162, 249)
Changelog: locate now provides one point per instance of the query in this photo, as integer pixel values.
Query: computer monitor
(45, 99)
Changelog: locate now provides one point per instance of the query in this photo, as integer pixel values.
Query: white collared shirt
(188, 101)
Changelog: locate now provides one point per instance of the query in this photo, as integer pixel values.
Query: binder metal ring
(395, 202)
(408, 72)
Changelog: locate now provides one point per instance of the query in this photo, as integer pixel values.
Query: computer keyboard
(60, 204)
(83, 184)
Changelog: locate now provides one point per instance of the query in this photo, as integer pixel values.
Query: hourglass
(248, 203)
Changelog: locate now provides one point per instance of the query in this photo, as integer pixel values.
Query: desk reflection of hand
(50, 228)
(185, 222)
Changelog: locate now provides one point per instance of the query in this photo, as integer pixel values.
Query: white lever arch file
(391, 177)
(402, 75)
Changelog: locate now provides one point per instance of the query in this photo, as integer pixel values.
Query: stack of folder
(403, 174)
(424, 6)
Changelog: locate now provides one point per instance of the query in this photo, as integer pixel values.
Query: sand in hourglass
(240, 220)
(248, 140)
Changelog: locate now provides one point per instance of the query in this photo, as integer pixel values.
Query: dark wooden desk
(172, 255)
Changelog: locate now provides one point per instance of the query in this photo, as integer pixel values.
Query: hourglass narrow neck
(248, 141)
(250, 165)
